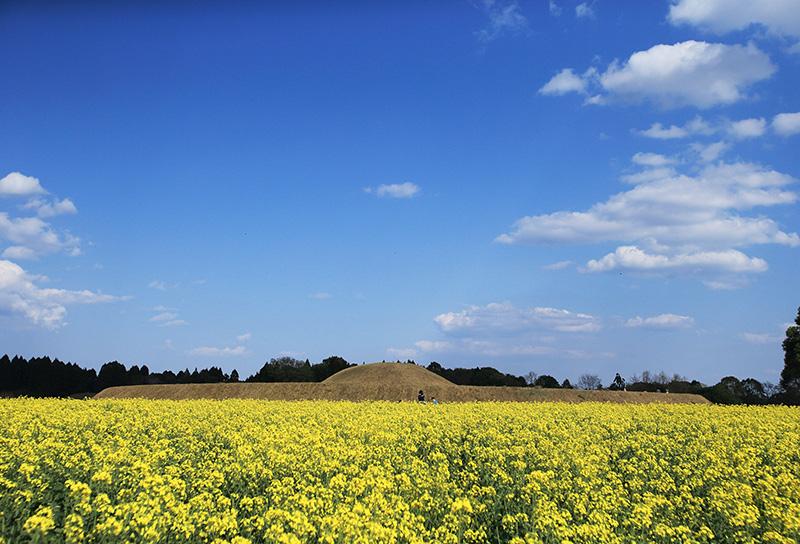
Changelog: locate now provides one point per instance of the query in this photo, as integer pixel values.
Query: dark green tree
(548, 382)
(790, 377)
(234, 376)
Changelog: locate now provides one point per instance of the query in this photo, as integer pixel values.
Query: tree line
(46, 377)
(43, 376)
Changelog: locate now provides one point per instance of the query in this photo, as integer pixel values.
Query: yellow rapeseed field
(244, 471)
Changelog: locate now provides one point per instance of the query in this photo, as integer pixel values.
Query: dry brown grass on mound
(383, 381)
(395, 374)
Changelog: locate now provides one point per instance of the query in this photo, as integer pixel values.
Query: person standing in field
(421, 396)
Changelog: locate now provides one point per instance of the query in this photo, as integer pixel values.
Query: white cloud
(677, 210)
(320, 296)
(17, 184)
(35, 237)
(555, 9)
(710, 152)
(690, 73)
(210, 351)
(634, 258)
(161, 285)
(677, 222)
(651, 159)
(566, 81)
(175, 323)
(698, 125)
(649, 174)
(504, 18)
(46, 307)
(584, 10)
(503, 317)
(747, 128)
(500, 347)
(51, 209)
(394, 190)
(781, 17)
(560, 265)
(167, 317)
(18, 253)
(761, 338)
(163, 317)
(244, 337)
(662, 321)
(786, 124)
(504, 330)
(726, 284)
(429, 346)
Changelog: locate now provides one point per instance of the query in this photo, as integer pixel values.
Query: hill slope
(398, 374)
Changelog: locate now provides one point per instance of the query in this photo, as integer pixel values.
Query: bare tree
(530, 378)
(589, 381)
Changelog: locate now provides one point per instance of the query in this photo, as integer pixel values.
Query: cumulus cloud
(677, 209)
(676, 222)
(781, 17)
(690, 73)
(738, 130)
(500, 329)
(211, 351)
(504, 18)
(244, 337)
(747, 128)
(32, 237)
(46, 208)
(651, 159)
(710, 152)
(503, 317)
(634, 258)
(394, 190)
(47, 307)
(696, 126)
(566, 81)
(555, 9)
(661, 321)
(17, 184)
(786, 124)
(504, 347)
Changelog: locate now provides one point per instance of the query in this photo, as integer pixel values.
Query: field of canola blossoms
(254, 471)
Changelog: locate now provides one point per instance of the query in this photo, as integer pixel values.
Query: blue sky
(559, 187)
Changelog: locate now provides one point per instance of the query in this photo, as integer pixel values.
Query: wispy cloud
(394, 190)
(661, 321)
(560, 265)
(211, 351)
(505, 18)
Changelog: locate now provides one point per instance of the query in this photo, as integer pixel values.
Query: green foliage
(548, 382)
(790, 376)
